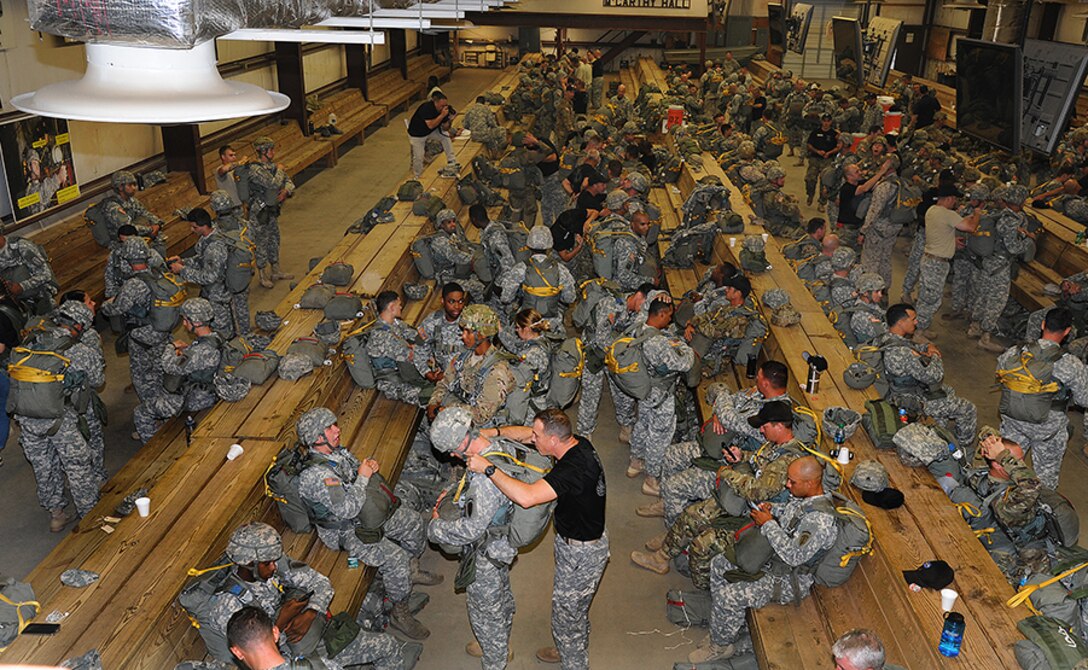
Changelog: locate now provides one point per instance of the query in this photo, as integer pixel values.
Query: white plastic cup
(844, 455)
(732, 241)
(766, 236)
(234, 452)
(143, 506)
(948, 599)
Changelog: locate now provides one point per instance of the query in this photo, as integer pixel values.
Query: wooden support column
(426, 43)
(355, 57)
(292, 82)
(184, 152)
(398, 50)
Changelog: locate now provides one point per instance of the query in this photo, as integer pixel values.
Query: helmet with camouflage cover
(615, 201)
(230, 388)
(480, 319)
(76, 313)
(540, 238)
(835, 419)
(629, 128)
(747, 150)
(870, 475)
(263, 144)
(775, 173)
(978, 192)
(254, 543)
(122, 178)
(843, 259)
(444, 215)
(751, 174)
(198, 311)
(1015, 194)
(221, 201)
(869, 282)
(754, 243)
(639, 182)
(450, 428)
(776, 298)
(1077, 209)
(716, 390)
(311, 426)
(135, 250)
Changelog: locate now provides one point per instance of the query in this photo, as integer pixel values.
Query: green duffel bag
(409, 191)
(316, 297)
(881, 422)
(338, 274)
(343, 307)
(428, 205)
(566, 372)
(353, 351)
(1050, 645)
(258, 366)
(688, 608)
(311, 348)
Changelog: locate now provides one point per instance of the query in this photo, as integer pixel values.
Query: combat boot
(651, 487)
(656, 542)
(400, 618)
(625, 436)
(974, 330)
(58, 519)
(548, 654)
(708, 651)
(987, 344)
(278, 274)
(634, 468)
(655, 561)
(424, 577)
(263, 277)
(652, 510)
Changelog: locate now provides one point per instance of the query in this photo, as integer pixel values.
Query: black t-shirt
(566, 226)
(847, 206)
(547, 168)
(578, 482)
(587, 200)
(824, 140)
(598, 68)
(580, 103)
(578, 174)
(759, 103)
(925, 108)
(929, 198)
(417, 127)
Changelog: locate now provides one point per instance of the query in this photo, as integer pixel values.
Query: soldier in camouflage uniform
(133, 303)
(848, 118)
(479, 503)
(267, 185)
(117, 268)
(56, 447)
(207, 269)
(819, 267)
(391, 346)
(449, 246)
(121, 207)
(228, 216)
(294, 595)
(866, 315)
(841, 289)
(517, 284)
(819, 159)
(811, 534)
(794, 106)
(440, 333)
(879, 230)
(873, 114)
(336, 487)
(629, 253)
(992, 279)
(26, 274)
(481, 122)
(77, 311)
(621, 107)
(963, 263)
(612, 315)
(915, 376)
(193, 365)
(494, 238)
(758, 477)
(479, 377)
(1039, 379)
(666, 359)
(564, 117)
(781, 212)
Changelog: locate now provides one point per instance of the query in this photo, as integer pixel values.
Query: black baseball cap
(596, 178)
(772, 412)
(932, 574)
(739, 282)
(945, 190)
(889, 498)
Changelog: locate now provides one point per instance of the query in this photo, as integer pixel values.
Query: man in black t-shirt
(853, 188)
(823, 146)
(925, 108)
(576, 482)
(427, 123)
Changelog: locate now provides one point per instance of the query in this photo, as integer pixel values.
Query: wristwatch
(489, 470)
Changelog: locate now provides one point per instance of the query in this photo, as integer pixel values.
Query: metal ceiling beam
(592, 21)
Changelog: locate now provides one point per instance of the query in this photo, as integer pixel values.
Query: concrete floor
(630, 629)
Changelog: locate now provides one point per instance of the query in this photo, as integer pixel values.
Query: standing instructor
(581, 543)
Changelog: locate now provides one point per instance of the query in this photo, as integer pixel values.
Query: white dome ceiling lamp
(130, 84)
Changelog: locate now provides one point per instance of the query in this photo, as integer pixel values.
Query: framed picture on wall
(37, 157)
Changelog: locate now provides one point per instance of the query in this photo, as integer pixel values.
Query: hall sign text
(649, 4)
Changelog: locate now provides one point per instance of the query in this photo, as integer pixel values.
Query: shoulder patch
(332, 481)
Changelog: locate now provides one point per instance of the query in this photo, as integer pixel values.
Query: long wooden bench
(423, 66)
(198, 497)
(294, 151)
(353, 116)
(388, 88)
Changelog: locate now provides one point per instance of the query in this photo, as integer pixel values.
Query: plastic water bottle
(840, 436)
(956, 452)
(952, 635)
(903, 416)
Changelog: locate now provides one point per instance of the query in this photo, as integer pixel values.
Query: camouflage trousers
(1046, 441)
(932, 275)
(626, 406)
(654, 428)
(796, 133)
(579, 567)
(382, 650)
(848, 235)
(914, 264)
(694, 531)
(146, 370)
(97, 444)
(553, 199)
(590, 401)
(596, 89)
(406, 529)
(223, 320)
(991, 284)
(877, 250)
(392, 561)
(55, 458)
(491, 611)
(963, 289)
(816, 165)
(730, 600)
(958, 409)
(401, 391)
(682, 489)
(239, 305)
(265, 232)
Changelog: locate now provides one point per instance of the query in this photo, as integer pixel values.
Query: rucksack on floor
(353, 351)
(688, 608)
(422, 256)
(17, 608)
(881, 422)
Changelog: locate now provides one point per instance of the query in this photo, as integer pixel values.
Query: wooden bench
(79, 262)
(199, 498)
(422, 67)
(389, 89)
(353, 116)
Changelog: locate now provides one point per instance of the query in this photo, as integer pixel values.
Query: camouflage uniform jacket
(741, 322)
(441, 339)
(610, 317)
(496, 244)
(907, 369)
(268, 594)
(849, 120)
(1013, 501)
(392, 343)
(795, 106)
(876, 219)
(842, 291)
(666, 356)
(117, 270)
(19, 253)
(733, 409)
(480, 502)
(335, 488)
(481, 383)
(873, 116)
(629, 252)
(479, 118)
(781, 212)
(448, 251)
(119, 212)
(266, 180)
(867, 321)
(1012, 242)
(133, 301)
(85, 361)
(767, 480)
(799, 534)
(197, 364)
(207, 268)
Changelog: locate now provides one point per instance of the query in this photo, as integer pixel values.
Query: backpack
(95, 219)
(1025, 395)
(602, 241)
(409, 191)
(853, 539)
(197, 598)
(861, 205)
(907, 198)
(1049, 646)
(983, 242)
(353, 351)
(688, 608)
(486, 171)
(241, 259)
(422, 256)
(566, 372)
(591, 292)
(338, 274)
(701, 201)
(772, 147)
(428, 205)
(167, 297)
(627, 365)
(881, 422)
(523, 525)
(343, 307)
(17, 607)
(541, 286)
(316, 296)
(40, 387)
(281, 484)
(467, 191)
(690, 245)
(258, 366)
